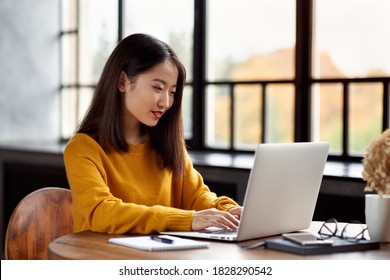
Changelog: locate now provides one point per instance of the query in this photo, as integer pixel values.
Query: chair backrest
(38, 219)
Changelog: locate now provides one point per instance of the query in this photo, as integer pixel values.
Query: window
(69, 56)
(351, 69)
(90, 29)
(90, 33)
(257, 71)
(354, 43)
(250, 49)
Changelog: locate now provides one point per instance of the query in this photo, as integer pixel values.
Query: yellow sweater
(129, 192)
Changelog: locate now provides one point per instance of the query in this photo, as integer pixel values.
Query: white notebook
(147, 244)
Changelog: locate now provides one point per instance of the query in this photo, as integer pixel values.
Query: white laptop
(281, 194)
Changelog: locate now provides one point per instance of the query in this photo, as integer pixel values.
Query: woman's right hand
(214, 218)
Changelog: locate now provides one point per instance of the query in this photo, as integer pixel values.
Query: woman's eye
(157, 88)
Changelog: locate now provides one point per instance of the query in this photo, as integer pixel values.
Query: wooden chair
(38, 219)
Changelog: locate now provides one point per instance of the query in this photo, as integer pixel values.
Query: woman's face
(149, 96)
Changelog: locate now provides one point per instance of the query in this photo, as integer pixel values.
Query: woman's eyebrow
(162, 81)
(159, 80)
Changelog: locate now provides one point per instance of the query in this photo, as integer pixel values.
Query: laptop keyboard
(220, 231)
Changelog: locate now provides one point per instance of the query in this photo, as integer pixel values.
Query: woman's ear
(123, 82)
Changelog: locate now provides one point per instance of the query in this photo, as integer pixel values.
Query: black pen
(161, 239)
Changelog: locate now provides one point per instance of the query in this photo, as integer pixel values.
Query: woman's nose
(164, 100)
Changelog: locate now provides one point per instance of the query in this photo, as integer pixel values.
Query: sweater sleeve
(197, 195)
(97, 209)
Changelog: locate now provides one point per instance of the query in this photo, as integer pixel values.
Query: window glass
(366, 113)
(218, 114)
(250, 39)
(327, 115)
(83, 101)
(351, 38)
(187, 111)
(279, 113)
(69, 15)
(69, 58)
(74, 104)
(98, 36)
(247, 117)
(68, 114)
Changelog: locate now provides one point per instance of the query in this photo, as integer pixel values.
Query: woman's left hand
(236, 211)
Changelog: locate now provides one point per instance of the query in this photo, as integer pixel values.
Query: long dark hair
(135, 55)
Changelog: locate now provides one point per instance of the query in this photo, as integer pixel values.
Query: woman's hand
(236, 211)
(217, 218)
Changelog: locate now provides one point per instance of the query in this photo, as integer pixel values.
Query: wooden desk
(94, 246)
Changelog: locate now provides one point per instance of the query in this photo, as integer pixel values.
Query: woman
(127, 165)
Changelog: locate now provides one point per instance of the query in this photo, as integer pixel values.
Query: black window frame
(303, 83)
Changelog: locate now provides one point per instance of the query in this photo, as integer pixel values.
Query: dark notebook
(338, 246)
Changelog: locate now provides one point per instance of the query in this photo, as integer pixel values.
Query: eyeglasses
(352, 231)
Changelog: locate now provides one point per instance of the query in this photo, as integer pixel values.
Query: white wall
(29, 70)
(29, 74)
